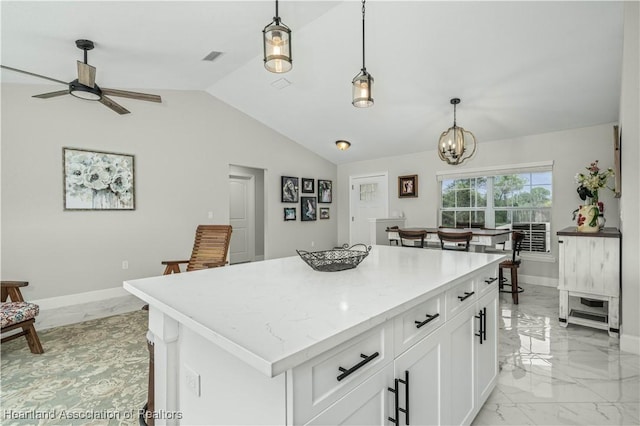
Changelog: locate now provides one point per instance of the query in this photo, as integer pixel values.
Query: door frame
(251, 211)
(351, 194)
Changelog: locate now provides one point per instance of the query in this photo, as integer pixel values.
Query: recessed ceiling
(520, 68)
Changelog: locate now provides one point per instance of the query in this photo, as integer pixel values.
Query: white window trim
(541, 166)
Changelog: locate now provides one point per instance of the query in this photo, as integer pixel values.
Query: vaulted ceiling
(520, 68)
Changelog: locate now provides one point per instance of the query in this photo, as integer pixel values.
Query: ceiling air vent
(212, 56)
(281, 83)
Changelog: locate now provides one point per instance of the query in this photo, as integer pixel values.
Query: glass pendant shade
(362, 90)
(277, 47)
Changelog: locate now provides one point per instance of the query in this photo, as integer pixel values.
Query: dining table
(480, 240)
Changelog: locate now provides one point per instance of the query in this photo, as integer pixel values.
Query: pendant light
(277, 45)
(363, 82)
(456, 144)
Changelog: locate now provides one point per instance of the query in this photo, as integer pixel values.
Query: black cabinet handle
(405, 410)
(345, 372)
(428, 320)
(466, 296)
(490, 280)
(394, 391)
(396, 396)
(482, 316)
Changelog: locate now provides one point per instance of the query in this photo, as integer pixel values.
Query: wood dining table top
(474, 231)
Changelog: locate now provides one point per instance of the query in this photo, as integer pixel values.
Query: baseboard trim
(630, 343)
(80, 298)
(80, 307)
(543, 281)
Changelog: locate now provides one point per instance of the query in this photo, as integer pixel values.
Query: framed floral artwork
(308, 186)
(408, 186)
(289, 187)
(289, 213)
(325, 192)
(308, 208)
(95, 180)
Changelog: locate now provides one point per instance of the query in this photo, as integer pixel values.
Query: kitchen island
(275, 342)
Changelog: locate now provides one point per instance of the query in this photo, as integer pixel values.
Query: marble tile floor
(552, 375)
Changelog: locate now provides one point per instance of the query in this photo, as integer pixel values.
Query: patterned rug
(91, 373)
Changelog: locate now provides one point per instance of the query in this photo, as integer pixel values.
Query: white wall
(571, 151)
(629, 203)
(182, 147)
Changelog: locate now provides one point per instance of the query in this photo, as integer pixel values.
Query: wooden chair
(392, 229)
(512, 264)
(209, 249)
(19, 314)
(412, 236)
(455, 240)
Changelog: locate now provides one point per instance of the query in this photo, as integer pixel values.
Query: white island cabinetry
(275, 342)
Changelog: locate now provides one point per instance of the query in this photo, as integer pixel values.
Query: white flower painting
(97, 180)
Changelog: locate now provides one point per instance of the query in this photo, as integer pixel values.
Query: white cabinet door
(487, 351)
(368, 404)
(462, 382)
(425, 364)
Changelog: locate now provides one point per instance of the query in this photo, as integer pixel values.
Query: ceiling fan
(85, 87)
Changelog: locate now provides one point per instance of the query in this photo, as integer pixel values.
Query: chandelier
(456, 144)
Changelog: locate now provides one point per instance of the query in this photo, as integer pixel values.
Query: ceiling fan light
(85, 92)
(343, 145)
(362, 93)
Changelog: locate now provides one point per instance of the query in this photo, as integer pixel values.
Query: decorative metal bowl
(337, 259)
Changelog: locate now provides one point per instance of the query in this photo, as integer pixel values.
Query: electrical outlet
(125, 264)
(313, 243)
(192, 380)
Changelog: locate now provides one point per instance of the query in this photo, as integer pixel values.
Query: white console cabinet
(590, 273)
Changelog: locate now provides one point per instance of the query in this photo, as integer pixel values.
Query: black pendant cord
(363, 66)
(85, 56)
(276, 18)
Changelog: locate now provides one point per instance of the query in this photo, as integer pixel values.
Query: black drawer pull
(466, 296)
(366, 359)
(428, 320)
(490, 280)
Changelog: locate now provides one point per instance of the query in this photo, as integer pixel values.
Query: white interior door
(369, 198)
(242, 218)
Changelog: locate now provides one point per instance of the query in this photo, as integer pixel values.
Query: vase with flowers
(591, 215)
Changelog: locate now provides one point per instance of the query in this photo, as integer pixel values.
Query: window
(517, 198)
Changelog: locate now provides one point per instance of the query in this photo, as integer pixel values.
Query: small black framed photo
(408, 186)
(308, 186)
(289, 213)
(308, 208)
(324, 212)
(325, 193)
(289, 189)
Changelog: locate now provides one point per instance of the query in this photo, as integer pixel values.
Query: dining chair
(17, 313)
(459, 241)
(512, 264)
(210, 248)
(389, 230)
(412, 236)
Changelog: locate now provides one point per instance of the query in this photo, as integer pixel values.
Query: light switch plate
(192, 380)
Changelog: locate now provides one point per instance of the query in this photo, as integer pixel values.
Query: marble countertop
(276, 314)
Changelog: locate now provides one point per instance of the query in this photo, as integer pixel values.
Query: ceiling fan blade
(52, 94)
(113, 105)
(86, 74)
(132, 95)
(33, 74)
